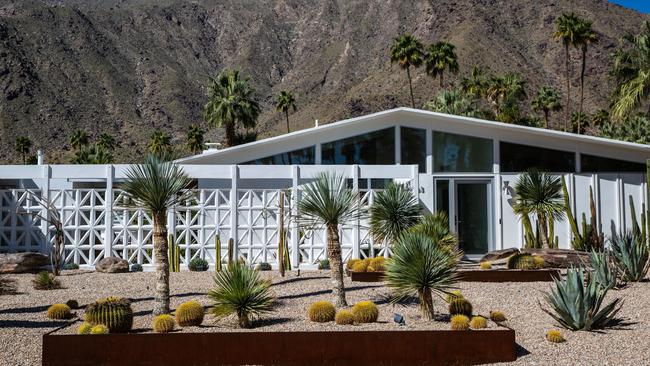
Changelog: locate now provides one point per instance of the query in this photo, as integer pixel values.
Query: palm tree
(441, 56)
(159, 143)
(600, 118)
(407, 52)
(106, 141)
(285, 102)
(394, 210)
(93, 154)
(23, 146)
(566, 31)
(578, 119)
(231, 104)
(157, 186)
(328, 202)
(585, 36)
(632, 73)
(79, 139)
(452, 102)
(539, 193)
(505, 88)
(476, 84)
(547, 101)
(194, 139)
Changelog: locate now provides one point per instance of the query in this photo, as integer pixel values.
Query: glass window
(303, 156)
(414, 147)
(374, 148)
(591, 163)
(442, 196)
(458, 153)
(519, 158)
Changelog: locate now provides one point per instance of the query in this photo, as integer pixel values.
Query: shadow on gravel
(297, 279)
(34, 309)
(323, 292)
(29, 324)
(521, 351)
(151, 298)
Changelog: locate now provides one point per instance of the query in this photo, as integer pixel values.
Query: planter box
(366, 276)
(354, 348)
(508, 275)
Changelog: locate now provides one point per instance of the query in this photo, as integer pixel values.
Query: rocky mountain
(131, 67)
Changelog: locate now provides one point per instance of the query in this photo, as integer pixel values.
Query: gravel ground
(23, 320)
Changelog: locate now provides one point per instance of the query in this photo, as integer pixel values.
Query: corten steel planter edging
(333, 348)
(366, 276)
(508, 275)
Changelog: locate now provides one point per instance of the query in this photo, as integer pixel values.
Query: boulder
(112, 265)
(560, 258)
(497, 256)
(23, 262)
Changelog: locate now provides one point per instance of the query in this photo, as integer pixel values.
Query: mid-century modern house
(464, 166)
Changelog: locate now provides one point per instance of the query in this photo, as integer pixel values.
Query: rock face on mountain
(131, 67)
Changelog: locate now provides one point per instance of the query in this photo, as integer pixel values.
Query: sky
(640, 5)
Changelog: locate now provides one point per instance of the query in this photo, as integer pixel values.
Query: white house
(464, 166)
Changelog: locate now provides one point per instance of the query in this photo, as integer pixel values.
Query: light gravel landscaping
(23, 320)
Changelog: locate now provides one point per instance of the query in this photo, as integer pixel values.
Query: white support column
(415, 181)
(496, 156)
(319, 153)
(234, 178)
(572, 201)
(429, 150)
(452, 205)
(498, 220)
(398, 145)
(108, 212)
(356, 231)
(620, 205)
(45, 226)
(578, 162)
(295, 230)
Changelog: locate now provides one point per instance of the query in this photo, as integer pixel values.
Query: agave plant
(394, 210)
(240, 291)
(576, 302)
(603, 269)
(436, 227)
(421, 267)
(630, 255)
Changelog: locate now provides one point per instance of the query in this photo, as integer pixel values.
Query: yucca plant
(630, 255)
(436, 227)
(603, 269)
(240, 291)
(421, 267)
(576, 302)
(394, 210)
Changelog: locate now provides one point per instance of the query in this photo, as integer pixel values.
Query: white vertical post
(295, 230)
(578, 162)
(572, 201)
(429, 150)
(356, 234)
(398, 145)
(319, 153)
(77, 236)
(498, 220)
(415, 181)
(234, 177)
(620, 205)
(45, 226)
(496, 156)
(108, 212)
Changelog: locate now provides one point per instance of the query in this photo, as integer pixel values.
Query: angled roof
(424, 119)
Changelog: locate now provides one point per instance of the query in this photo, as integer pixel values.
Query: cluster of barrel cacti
(525, 261)
(190, 314)
(361, 312)
(87, 328)
(113, 312)
(174, 255)
(377, 264)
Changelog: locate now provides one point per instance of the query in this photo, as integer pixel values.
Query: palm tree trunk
(408, 74)
(336, 266)
(161, 304)
(541, 221)
(568, 87)
(582, 80)
(546, 118)
(24, 160)
(286, 114)
(230, 134)
(441, 82)
(426, 303)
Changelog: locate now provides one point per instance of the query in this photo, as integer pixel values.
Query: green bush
(70, 266)
(630, 255)
(190, 314)
(240, 290)
(324, 264)
(198, 265)
(576, 302)
(135, 267)
(321, 312)
(113, 312)
(45, 281)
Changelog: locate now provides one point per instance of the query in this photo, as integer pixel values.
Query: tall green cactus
(217, 246)
(636, 229)
(174, 254)
(569, 213)
(589, 238)
(113, 312)
(231, 251)
(647, 213)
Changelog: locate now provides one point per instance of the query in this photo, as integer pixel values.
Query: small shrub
(351, 263)
(114, 312)
(365, 312)
(135, 267)
(59, 311)
(360, 266)
(459, 322)
(321, 312)
(190, 314)
(324, 264)
(70, 266)
(497, 316)
(344, 317)
(554, 336)
(99, 329)
(84, 328)
(377, 264)
(163, 323)
(45, 281)
(460, 306)
(478, 322)
(485, 265)
(521, 261)
(198, 265)
(263, 266)
(453, 295)
(73, 304)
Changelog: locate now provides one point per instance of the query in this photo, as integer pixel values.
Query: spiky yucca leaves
(421, 267)
(436, 227)
(497, 316)
(163, 323)
(603, 268)
(478, 322)
(45, 281)
(59, 311)
(344, 317)
(321, 312)
(99, 329)
(460, 306)
(240, 291)
(576, 302)
(114, 312)
(459, 322)
(630, 255)
(554, 336)
(365, 312)
(84, 328)
(189, 314)
(394, 210)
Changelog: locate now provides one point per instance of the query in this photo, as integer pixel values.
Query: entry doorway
(468, 203)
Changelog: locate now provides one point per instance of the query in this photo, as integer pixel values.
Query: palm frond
(328, 201)
(394, 210)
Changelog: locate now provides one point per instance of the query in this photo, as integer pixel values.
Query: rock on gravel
(112, 265)
(22, 262)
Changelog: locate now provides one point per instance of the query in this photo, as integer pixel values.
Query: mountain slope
(131, 67)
